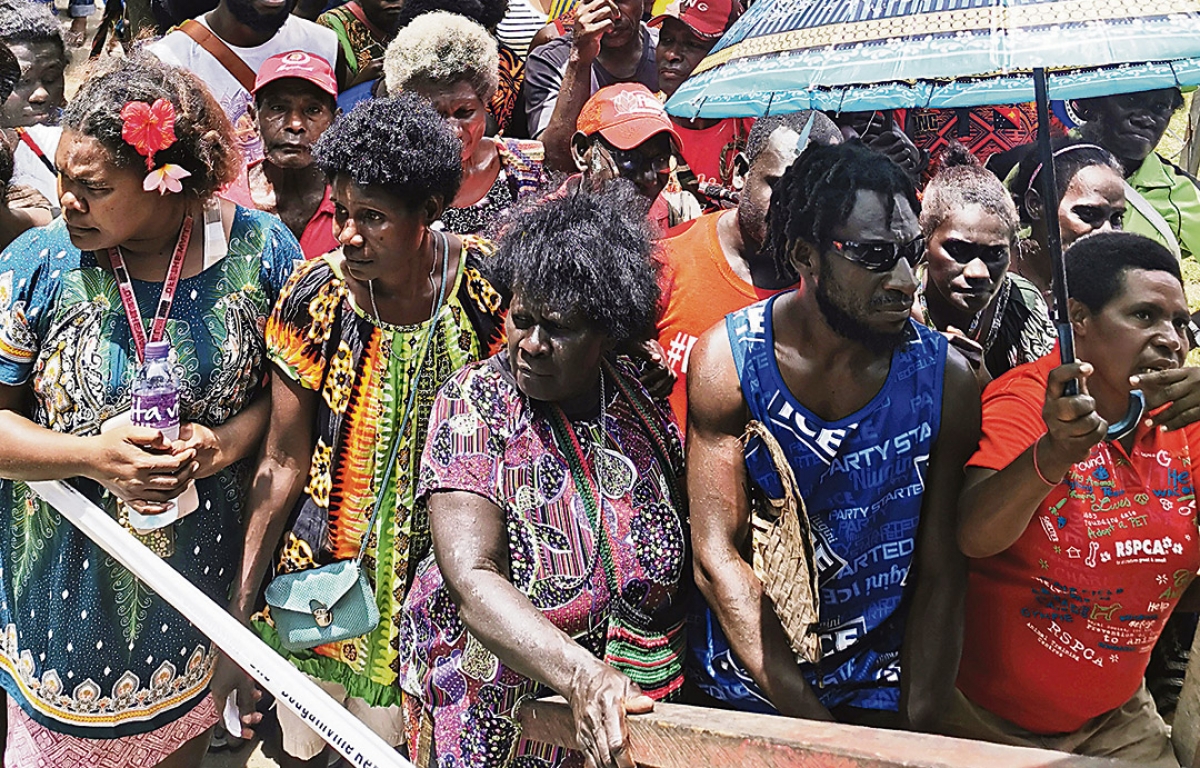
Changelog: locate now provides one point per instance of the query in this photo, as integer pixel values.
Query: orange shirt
(1059, 626)
(699, 289)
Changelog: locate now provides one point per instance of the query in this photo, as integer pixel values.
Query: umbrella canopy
(857, 55)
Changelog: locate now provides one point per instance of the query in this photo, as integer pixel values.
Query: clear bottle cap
(158, 350)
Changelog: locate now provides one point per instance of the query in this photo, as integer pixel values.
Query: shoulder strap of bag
(408, 409)
(787, 478)
(220, 51)
(361, 15)
(1151, 214)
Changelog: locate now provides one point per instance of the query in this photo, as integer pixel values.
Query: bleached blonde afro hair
(437, 50)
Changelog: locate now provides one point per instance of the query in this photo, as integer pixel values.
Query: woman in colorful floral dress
(100, 671)
(348, 340)
(559, 533)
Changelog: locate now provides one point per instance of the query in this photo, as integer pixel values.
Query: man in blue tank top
(876, 418)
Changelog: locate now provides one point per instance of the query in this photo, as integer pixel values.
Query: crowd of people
(752, 414)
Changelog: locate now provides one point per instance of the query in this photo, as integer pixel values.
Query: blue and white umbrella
(857, 55)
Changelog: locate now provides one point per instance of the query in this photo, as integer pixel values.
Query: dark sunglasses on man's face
(631, 163)
(965, 252)
(882, 257)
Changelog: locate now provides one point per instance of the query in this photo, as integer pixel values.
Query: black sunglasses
(632, 163)
(882, 257)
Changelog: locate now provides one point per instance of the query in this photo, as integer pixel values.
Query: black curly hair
(22, 21)
(1070, 157)
(10, 72)
(400, 144)
(1096, 265)
(818, 191)
(590, 252)
(6, 169)
(205, 143)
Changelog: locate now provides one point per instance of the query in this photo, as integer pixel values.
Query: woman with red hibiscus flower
(99, 670)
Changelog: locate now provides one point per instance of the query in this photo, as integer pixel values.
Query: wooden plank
(677, 736)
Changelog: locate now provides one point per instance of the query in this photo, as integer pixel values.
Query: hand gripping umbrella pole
(360, 746)
(1062, 318)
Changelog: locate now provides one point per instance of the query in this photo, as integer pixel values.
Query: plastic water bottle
(155, 396)
(156, 392)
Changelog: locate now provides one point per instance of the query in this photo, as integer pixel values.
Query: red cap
(301, 65)
(707, 18)
(626, 115)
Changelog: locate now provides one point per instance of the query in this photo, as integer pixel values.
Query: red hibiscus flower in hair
(148, 127)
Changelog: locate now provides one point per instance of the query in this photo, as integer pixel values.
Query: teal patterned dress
(86, 649)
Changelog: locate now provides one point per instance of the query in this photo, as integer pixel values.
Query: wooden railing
(677, 736)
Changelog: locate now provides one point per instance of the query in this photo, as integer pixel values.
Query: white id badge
(185, 504)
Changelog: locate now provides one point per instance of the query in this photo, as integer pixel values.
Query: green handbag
(322, 605)
(336, 601)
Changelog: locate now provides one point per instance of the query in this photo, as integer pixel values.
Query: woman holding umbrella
(1080, 547)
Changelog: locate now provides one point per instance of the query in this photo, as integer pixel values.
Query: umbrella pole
(1048, 190)
(1062, 318)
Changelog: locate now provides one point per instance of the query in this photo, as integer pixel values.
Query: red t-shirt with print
(1059, 627)
(710, 151)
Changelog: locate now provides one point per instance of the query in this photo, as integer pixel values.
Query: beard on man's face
(263, 23)
(833, 303)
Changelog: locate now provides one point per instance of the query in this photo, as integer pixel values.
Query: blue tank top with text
(862, 478)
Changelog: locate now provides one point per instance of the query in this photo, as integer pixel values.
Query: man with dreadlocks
(719, 263)
(875, 417)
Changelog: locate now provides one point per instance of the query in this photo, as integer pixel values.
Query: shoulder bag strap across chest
(220, 51)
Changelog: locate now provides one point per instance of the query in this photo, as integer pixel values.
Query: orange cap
(626, 115)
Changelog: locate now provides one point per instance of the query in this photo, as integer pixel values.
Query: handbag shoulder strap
(787, 478)
(408, 408)
(220, 51)
(356, 9)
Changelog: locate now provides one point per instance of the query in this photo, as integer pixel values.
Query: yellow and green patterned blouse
(364, 371)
